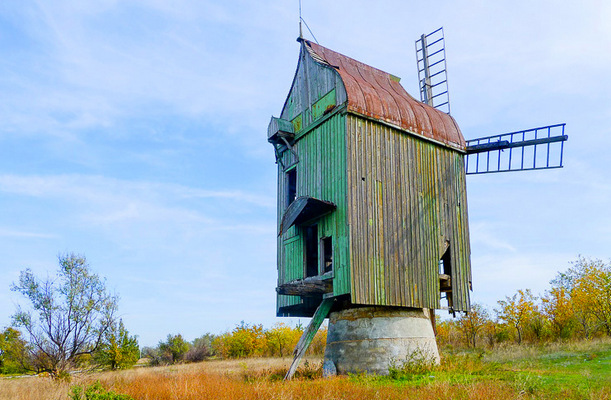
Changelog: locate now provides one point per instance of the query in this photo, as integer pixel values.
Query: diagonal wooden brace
(308, 335)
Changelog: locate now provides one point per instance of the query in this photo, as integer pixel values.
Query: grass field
(579, 370)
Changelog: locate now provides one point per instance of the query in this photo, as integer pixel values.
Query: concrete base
(372, 339)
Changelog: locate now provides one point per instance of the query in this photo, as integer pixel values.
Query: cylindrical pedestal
(372, 339)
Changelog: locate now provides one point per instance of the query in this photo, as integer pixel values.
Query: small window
(311, 250)
(291, 186)
(327, 254)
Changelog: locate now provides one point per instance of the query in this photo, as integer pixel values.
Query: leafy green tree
(13, 352)
(68, 316)
(119, 350)
(174, 348)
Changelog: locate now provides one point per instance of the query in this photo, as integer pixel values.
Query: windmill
(372, 206)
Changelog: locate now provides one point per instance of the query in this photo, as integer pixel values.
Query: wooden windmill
(372, 205)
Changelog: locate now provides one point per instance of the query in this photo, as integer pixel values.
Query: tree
(68, 317)
(174, 348)
(591, 292)
(588, 283)
(558, 309)
(13, 352)
(469, 324)
(118, 349)
(518, 310)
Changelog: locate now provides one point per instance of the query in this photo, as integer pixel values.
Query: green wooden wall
(321, 173)
(406, 200)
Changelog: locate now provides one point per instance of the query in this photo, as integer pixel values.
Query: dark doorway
(445, 278)
(327, 254)
(311, 248)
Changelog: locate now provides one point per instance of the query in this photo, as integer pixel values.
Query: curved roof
(378, 94)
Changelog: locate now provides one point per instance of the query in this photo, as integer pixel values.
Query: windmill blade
(432, 71)
(537, 148)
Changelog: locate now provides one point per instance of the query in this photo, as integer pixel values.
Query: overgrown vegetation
(577, 306)
(555, 345)
(244, 341)
(574, 370)
(70, 323)
(118, 349)
(95, 391)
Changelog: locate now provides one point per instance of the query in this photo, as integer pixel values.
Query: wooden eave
(304, 209)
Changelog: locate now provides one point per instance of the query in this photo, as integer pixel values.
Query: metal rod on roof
(300, 30)
(427, 78)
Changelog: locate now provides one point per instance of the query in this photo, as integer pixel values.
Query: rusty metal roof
(378, 94)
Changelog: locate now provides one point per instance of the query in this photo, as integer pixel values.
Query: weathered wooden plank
(308, 335)
(412, 196)
(307, 287)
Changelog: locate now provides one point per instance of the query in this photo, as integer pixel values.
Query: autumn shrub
(254, 341)
(471, 324)
(243, 341)
(588, 284)
(447, 333)
(281, 339)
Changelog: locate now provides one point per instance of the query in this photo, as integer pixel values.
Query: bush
(119, 350)
(154, 356)
(95, 392)
(416, 363)
(281, 339)
(174, 348)
(201, 348)
(243, 341)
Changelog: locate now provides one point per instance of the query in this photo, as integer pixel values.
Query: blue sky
(134, 132)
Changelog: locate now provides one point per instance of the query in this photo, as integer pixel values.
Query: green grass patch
(548, 371)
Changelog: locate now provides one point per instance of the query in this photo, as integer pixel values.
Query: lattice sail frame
(432, 70)
(530, 149)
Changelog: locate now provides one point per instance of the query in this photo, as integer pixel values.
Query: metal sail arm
(505, 144)
(537, 148)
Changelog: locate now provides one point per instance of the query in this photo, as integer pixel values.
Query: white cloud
(9, 233)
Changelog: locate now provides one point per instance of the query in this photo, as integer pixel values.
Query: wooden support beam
(308, 335)
(308, 287)
(445, 283)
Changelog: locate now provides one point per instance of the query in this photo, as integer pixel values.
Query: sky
(134, 132)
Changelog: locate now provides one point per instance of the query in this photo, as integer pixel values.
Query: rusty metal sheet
(377, 94)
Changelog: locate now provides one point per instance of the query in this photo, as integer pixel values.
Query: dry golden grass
(250, 379)
(42, 387)
(237, 380)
